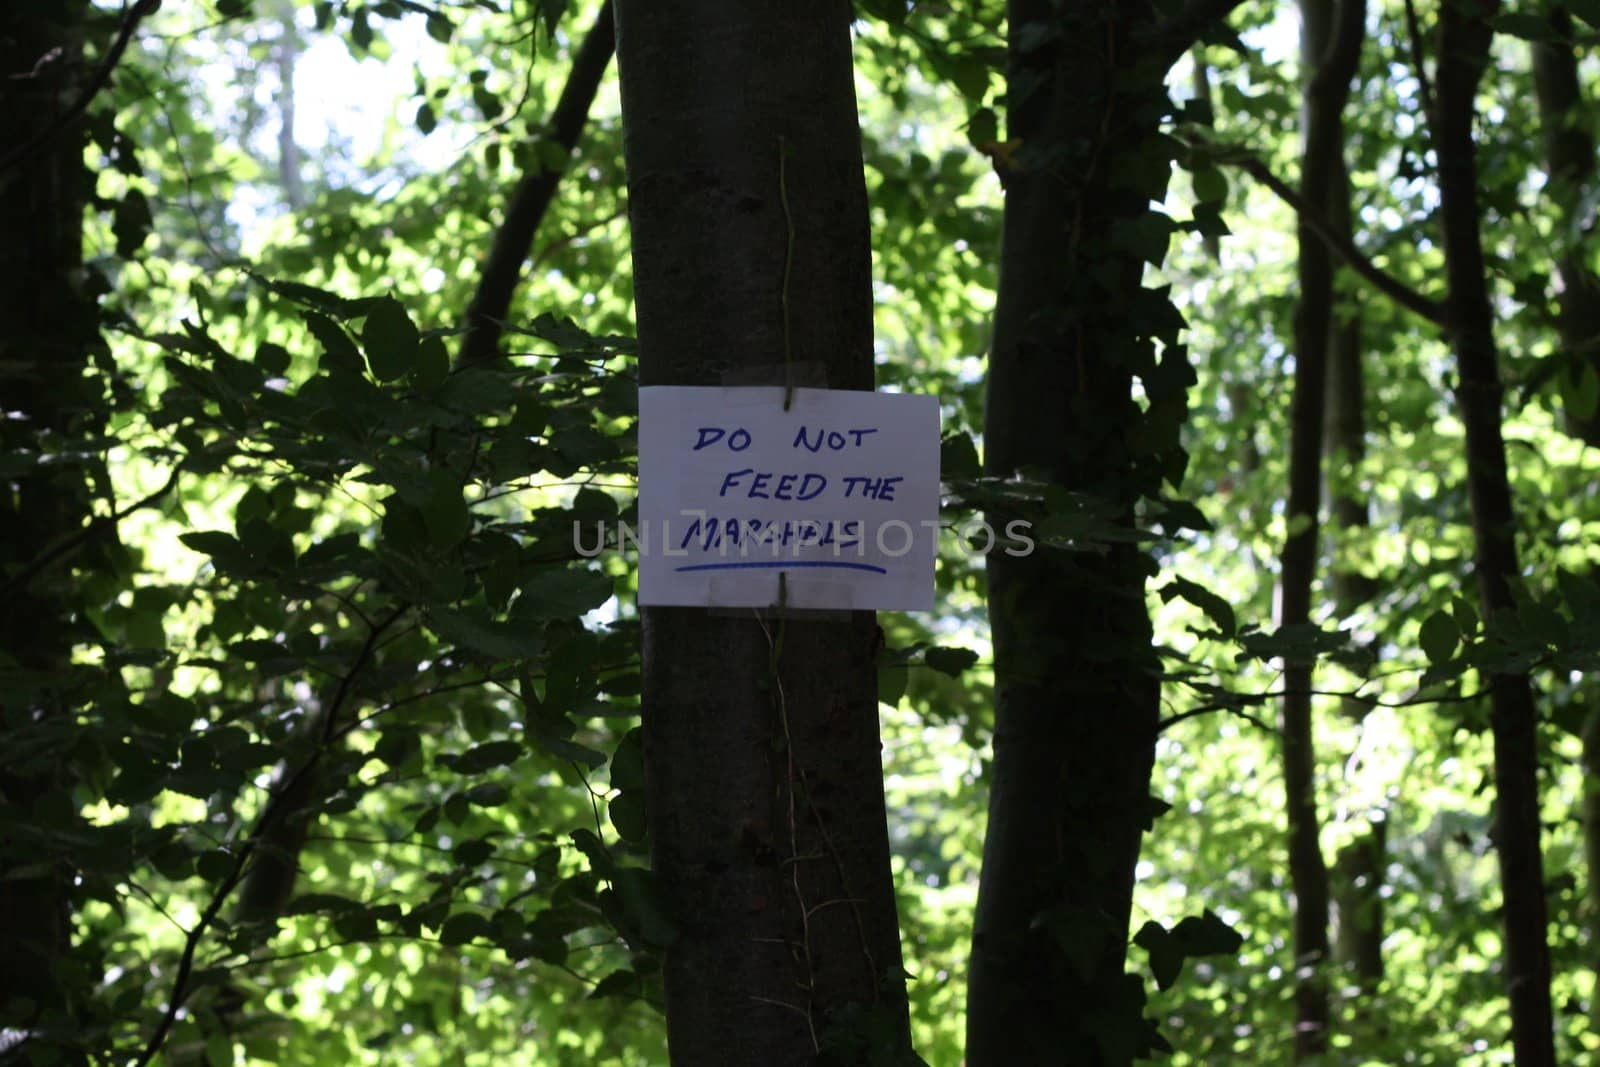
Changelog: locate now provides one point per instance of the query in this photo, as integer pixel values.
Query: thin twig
(27, 574)
(1418, 60)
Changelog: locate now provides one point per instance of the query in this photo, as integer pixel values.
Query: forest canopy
(324, 739)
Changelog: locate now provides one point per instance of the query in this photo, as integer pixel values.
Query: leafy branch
(265, 823)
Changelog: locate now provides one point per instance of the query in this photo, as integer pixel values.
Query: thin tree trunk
(1360, 864)
(1330, 44)
(1075, 673)
(1464, 37)
(765, 811)
(47, 330)
(502, 268)
(285, 55)
(1591, 853)
(1569, 150)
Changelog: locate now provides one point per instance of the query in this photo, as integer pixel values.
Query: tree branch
(1418, 60)
(270, 816)
(21, 579)
(503, 267)
(1386, 283)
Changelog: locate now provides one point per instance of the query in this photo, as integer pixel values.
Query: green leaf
(1210, 185)
(1166, 960)
(440, 28)
(1218, 610)
(1438, 637)
(433, 363)
(426, 120)
(627, 815)
(891, 684)
(958, 457)
(464, 926)
(951, 661)
(627, 762)
(273, 359)
(563, 593)
(488, 756)
(391, 340)
(215, 865)
(983, 129)
(472, 853)
(446, 516)
(219, 1047)
(488, 795)
(130, 223)
(1206, 934)
(502, 640)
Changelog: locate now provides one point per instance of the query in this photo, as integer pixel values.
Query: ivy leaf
(1207, 934)
(1166, 960)
(951, 661)
(391, 340)
(958, 457)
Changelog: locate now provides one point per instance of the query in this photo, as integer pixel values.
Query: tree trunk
(765, 791)
(1330, 46)
(285, 57)
(1569, 160)
(1075, 673)
(1464, 37)
(1361, 864)
(502, 268)
(1591, 853)
(49, 328)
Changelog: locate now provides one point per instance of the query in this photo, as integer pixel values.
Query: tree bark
(1569, 161)
(1075, 673)
(1330, 46)
(1463, 49)
(502, 268)
(765, 793)
(49, 328)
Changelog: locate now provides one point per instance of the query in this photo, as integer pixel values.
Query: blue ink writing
(738, 440)
(833, 439)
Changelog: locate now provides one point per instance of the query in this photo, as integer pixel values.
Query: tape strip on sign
(840, 494)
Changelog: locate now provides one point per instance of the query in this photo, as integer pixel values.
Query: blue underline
(783, 565)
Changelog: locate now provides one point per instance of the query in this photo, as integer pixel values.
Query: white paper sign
(839, 494)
